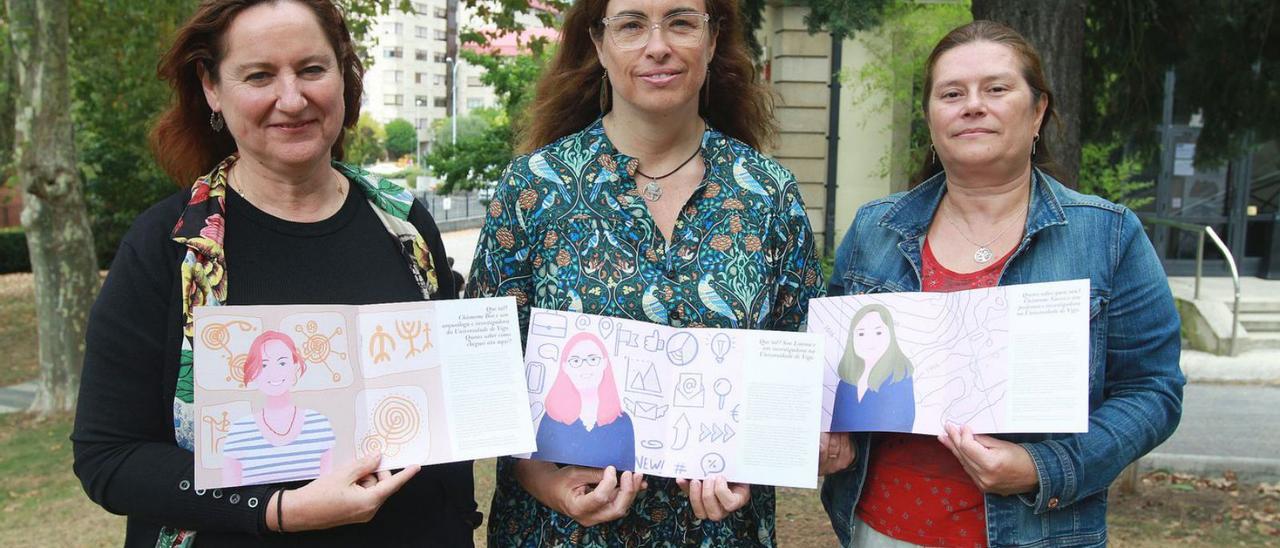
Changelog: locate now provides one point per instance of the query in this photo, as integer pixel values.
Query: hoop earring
(1034, 140)
(604, 92)
(216, 121)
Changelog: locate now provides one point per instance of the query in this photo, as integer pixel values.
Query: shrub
(13, 251)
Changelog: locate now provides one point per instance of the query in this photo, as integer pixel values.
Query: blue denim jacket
(1135, 383)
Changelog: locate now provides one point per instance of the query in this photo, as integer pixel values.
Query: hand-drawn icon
(712, 463)
(715, 432)
(218, 428)
(681, 427)
(316, 348)
(653, 342)
(690, 392)
(645, 410)
(378, 345)
(395, 422)
(626, 337)
(722, 387)
(582, 323)
(682, 348)
(720, 345)
(535, 375)
(549, 352)
(642, 377)
(679, 469)
(734, 413)
(536, 409)
(651, 444)
(217, 336)
(605, 327)
(546, 324)
(409, 331)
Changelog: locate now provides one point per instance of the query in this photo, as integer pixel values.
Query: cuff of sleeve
(1056, 473)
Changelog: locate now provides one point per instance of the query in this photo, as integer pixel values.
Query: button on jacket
(1135, 384)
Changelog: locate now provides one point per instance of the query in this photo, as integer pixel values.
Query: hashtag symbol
(679, 469)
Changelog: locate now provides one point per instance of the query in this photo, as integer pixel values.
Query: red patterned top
(916, 491)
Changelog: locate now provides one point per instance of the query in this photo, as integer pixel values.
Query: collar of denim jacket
(914, 210)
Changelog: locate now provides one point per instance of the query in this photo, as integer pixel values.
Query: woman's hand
(997, 466)
(350, 494)
(835, 452)
(715, 498)
(590, 496)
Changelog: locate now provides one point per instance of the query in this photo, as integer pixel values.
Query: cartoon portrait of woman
(585, 423)
(280, 441)
(875, 390)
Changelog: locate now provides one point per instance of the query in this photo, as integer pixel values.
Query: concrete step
(1256, 305)
(1259, 341)
(1260, 322)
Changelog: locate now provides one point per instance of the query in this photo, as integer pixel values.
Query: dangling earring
(1034, 140)
(216, 122)
(604, 92)
(706, 90)
(933, 154)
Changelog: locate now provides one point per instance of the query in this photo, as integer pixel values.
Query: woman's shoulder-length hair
(564, 403)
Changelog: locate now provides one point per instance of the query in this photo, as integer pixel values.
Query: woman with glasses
(585, 421)
(642, 197)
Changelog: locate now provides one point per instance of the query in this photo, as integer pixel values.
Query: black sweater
(125, 454)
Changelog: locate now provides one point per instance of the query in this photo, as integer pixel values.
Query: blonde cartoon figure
(875, 377)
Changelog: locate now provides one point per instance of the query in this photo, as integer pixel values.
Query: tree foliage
(402, 138)
(365, 143)
(843, 18)
(1113, 174)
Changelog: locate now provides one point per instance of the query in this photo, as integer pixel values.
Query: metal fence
(457, 210)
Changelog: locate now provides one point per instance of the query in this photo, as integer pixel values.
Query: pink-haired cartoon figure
(281, 441)
(585, 424)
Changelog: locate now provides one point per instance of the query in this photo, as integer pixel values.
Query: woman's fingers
(731, 496)
(695, 499)
(389, 486)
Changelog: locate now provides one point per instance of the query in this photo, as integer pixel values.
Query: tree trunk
(53, 215)
(1056, 29)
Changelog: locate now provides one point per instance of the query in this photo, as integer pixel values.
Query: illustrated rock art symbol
(642, 377)
(394, 423)
(712, 463)
(217, 336)
(720, 345)
(378, 345)
(682, 348)
(316, 348)
(217, 430)
(722, 387)
(681, 427)
(535, 374)
(409, 331)
(690, 392)
(715, 432)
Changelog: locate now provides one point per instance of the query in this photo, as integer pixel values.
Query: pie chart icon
(682, 348)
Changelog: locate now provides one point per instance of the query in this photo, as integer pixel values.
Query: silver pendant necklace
(652, 190)
(983, 254)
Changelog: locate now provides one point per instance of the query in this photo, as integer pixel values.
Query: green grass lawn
(41, 503)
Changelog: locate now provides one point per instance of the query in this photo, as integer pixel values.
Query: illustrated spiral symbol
(216, 336)
(312, 326)
(236, 367)
(396, 419)
(316, 348)
(373, 444)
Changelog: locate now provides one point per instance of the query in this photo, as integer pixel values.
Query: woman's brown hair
(568, 97)
(182, 141)
(1032, 72)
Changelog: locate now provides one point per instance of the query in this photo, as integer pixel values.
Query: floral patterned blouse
(568, 230)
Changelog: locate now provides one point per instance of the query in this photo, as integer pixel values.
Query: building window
(393, 99)
(392, 76)
(420, 54)
(422, 32)
(424, 123)
(394, 28)
(442, 13)
(393, 53)
(474, 82)
(419, 77)
(440, 58)
(421, 8)
(442, 101)
(441, 36)
(439, 80)
(421, 101)
(475, 102)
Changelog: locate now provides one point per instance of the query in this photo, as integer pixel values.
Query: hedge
(13, 251)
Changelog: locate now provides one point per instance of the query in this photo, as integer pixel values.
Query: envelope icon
(646, 410)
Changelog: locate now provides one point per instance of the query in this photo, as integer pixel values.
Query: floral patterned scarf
(204, 277)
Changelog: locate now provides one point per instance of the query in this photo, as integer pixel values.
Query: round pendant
(983, 254)
(652, 191)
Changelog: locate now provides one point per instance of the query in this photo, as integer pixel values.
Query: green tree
(1113, 174)
(402, 139)
(365, 143)
(54, 216)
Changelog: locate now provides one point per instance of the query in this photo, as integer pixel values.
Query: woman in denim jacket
(984, 99)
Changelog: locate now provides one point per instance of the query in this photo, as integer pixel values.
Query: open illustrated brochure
(1005, 359)
(286, 392)
(684, 403)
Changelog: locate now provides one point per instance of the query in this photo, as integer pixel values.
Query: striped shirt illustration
(261, 462)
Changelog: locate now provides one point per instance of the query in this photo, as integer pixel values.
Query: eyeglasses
(684, 29)
(590, 360)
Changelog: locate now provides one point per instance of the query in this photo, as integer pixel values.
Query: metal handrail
(1201, 231)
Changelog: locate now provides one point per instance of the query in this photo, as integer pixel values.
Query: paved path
(1225, 427)
(17, 397)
